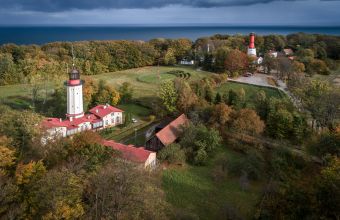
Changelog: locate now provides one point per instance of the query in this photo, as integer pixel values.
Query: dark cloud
(66, 5)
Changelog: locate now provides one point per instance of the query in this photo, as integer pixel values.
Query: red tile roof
(171, 132)
(57, 122)
(103, 110)
(129, 152)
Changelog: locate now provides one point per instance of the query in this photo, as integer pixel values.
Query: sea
(45, 34)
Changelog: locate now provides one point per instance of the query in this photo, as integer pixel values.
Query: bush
(172, 154)
(198, 142)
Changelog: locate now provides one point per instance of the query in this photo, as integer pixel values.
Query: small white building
(187, 62)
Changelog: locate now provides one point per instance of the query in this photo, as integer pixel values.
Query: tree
(236, 61)
(319, 67)
(172, 154)
(220, 115)
(198, 142)
(236, 98)
(106, 94)
(57, 196)
(328, 190)
(7, 158)
(57, 103)
(169, 58)
(269, 63)
(169, 96)
(90, 88)
(117, 187)
(298, 67)
(218, 98)
(186, 97)
(280, 123)
(274, 42)
(247, 121)
(126, 92)
(261, 104)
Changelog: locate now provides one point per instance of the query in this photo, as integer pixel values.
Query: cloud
(66, 5)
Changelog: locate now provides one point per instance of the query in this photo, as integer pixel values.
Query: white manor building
(99, 117)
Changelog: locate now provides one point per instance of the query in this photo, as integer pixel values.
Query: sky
(170, 12)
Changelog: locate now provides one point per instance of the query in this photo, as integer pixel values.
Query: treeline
(219, 53)
(18, 64)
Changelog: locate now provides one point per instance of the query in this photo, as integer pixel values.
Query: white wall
(75, 99)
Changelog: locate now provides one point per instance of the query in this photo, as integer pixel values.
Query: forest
(22, 64)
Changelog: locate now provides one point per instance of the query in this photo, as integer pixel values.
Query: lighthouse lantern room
(74, 95)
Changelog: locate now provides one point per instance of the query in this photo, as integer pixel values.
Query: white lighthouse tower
(251, 47)
(74, 95)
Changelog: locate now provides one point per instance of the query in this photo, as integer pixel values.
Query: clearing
(195, 191)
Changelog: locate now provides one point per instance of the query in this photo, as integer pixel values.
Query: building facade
(99, 117)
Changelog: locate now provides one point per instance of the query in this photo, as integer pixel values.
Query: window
(106, 122)
(117, 119)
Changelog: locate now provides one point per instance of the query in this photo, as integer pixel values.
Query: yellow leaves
(65, 211)
(332, 171)
(115, 97)
(26, 173)
(7, 158)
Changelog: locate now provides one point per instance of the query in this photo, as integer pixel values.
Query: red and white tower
(251, 47)
(74, 95)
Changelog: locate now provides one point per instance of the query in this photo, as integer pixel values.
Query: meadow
(198, 194)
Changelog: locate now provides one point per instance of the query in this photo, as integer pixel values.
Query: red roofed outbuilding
(133, 154)
(168, 134)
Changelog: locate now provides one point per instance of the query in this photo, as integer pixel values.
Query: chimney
(71, 118)
(105, 106)
(60, 120)
(96, 110)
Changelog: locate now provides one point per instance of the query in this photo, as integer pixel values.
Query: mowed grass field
(146, 81)
(194, 191)
(250, 90)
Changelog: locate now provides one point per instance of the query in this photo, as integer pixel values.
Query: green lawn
(193, 190)
(146, 80)
(250, 90)
(136, 110)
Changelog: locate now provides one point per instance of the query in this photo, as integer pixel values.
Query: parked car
(247, 74)
(134, 120)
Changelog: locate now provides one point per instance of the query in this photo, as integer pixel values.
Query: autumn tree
(186, 98)
(90, 88)
(58, 195)
(220, 115)
(117, 187)
(169, 96)
(236, 62)
(247, 121)
(106, 94)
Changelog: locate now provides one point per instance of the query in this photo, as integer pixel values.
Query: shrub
(172, 154)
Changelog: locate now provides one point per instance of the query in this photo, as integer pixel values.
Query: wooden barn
(165, 135)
